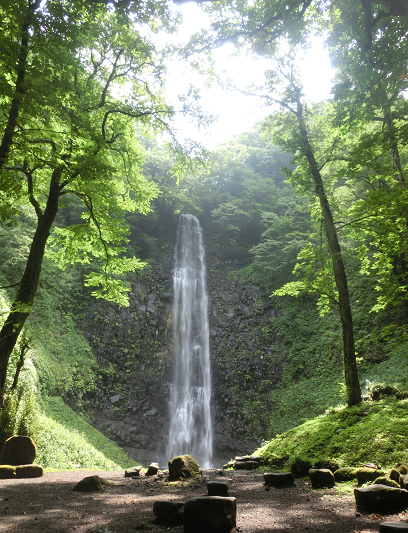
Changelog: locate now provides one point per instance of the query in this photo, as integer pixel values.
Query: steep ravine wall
(133, 347)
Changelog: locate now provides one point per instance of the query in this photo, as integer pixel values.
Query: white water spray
(190, 394)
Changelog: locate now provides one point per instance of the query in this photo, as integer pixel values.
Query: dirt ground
(48, 504)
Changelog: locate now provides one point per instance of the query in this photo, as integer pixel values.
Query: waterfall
(190, 429)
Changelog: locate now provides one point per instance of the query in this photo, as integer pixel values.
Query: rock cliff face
(133, 347)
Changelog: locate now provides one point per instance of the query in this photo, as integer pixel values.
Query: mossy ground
(370, 432)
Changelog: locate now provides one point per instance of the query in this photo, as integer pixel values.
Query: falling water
(190, 394)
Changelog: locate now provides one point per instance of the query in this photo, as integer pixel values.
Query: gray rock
(321, 478)
(153, 469)
(217, 488)
(168, 512)
(379, 497)
(210, 514)
(279, 479)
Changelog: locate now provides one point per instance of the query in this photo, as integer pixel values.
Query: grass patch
(370, 432)
(66, 441)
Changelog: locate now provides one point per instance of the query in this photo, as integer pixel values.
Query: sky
(236, 112)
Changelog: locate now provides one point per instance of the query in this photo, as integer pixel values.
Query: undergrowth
(370, 432)
(65, 440)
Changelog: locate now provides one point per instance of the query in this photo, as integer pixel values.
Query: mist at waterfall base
(190, 429)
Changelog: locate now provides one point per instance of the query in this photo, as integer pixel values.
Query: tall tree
(75, 143)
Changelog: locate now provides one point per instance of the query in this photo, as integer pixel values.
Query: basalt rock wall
(133, 348)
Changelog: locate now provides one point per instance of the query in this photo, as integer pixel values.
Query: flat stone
(390, 527)
(279, 479)
(251, 465)
(240, 465)
(210, 514)
(217, 488)
(133, 471)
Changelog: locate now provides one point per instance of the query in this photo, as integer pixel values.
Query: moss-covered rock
(182, 467)
(330, 464)
(28, 471)
(365, 475)
(7, 471)
(300, 466)
(400, 468)
(386, 480)
(346, 473)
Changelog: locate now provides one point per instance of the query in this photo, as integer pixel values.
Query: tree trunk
(24, 299)
(8, 135)
(349, 355)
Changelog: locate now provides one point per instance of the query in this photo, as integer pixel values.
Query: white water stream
(190, 394)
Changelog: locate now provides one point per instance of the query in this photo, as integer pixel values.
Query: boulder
(300, 466)
(217, 488)
(385, 480)
(27, 471)
(379, 497)
(403, 481)
(153, 469)
(90, 484)
(347, 473)
(169, 512)
(242, 458)
(7, 471)
(240, 465)
(331, 464)
(400, 468)
(393, 527)
(364, 475)
(18, 450)
(321, 478)
(133, 471)
(279, 479)
(183, 466)
(210, 514)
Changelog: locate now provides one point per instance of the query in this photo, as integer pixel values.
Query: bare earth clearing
(48, 504)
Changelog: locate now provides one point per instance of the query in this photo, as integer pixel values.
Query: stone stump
(153, 469)
(321, 478)
(169, 512)
(379, 497)
(210, 514)
(217, 488)
(279, 479)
